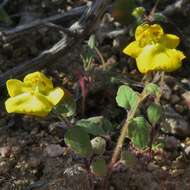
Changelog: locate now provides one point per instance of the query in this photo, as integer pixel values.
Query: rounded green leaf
(139, 132)
(154, 113)
(152, 89)
(68, 107)
(126, 97)
(99, 167)
(78, 140)
(98, 145)
(95, 125)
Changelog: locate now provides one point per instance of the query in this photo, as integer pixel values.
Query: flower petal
(55, 96)
(170, 40)
(145, 34)
(28, 103)
(39, 79)
(132, 49)
(14, 87)
(159, 58)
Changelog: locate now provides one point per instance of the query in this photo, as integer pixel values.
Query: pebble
(186, 97)
(5, 151)
(54, 150)
(34, 162)
(171, 143)
(187, 151)
(177, 172)
(175, 99)
(151, 166)
(178, 127)
(174, 123)
(166, 92)
(4, 167)
(179, 108)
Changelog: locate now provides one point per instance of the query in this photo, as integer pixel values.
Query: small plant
(154, 51)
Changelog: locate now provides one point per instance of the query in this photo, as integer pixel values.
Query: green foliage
(128, 158)
(95, 125)
(90, 53)
(154, 113)
(138, 12)
(98, 145)
(139, 132)
(126, 97)
(78, 140)
(68, 107)
(92, 41)
(98, 167)
(159, 17)
(152, 89)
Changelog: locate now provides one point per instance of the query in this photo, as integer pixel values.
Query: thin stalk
(124, 131)
(121, 139)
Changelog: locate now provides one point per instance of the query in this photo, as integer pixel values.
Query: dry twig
(86, 25)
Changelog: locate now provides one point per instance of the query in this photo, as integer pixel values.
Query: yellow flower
(154, 50)
(34, 96)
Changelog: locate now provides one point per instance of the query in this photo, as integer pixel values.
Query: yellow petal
(170, 40)
(132, 49)
(40, 80)
(28, 103)
(159, 58)
(14, 87)
(55, 95)
(145, 34)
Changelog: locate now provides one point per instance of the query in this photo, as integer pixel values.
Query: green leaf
(154, 113)
(92, 41)
(126, 97)
(152, 89)
(159, 17)
(139, 132)
(78, 140)
(98, 145)
(95, 125)
(99, 167)
(68, 107)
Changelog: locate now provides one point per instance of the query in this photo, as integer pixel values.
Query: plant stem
(124, 130)
(121, 139)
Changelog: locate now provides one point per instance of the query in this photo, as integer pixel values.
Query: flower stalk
(124, 132)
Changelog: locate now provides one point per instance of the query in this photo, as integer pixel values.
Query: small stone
(178, 88)
(186, 96)
(167, 92)
(171, 143)
(178, 127)
(4, 168)
(164, 168)
(16, 150)
(152, 166)
(175, 123)
(34, 162)
(175, 99)
(34, 131)
(179, 108)
(54, 150)
(5, 151)
(187, 152)
(177, 172)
